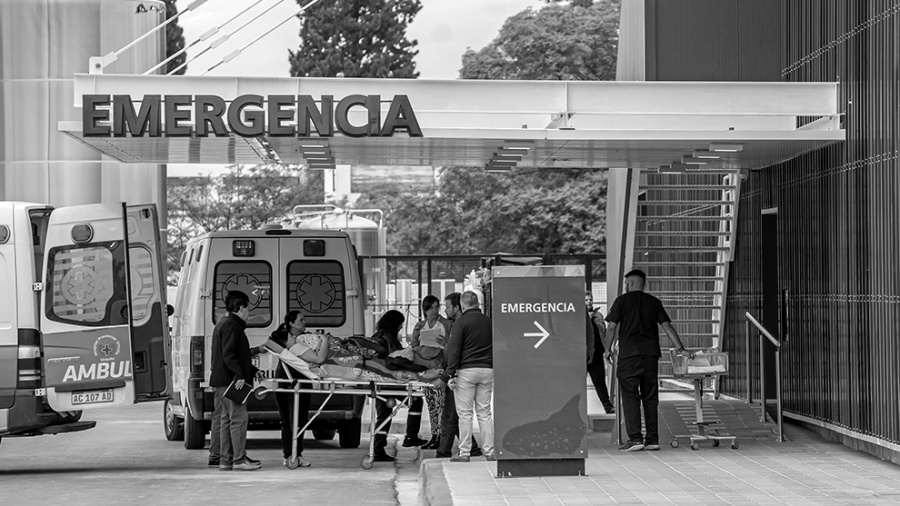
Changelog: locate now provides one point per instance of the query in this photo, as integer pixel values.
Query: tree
(244, 198)
(577, 41)
(174, 40)
(356, 38)
(470, 212)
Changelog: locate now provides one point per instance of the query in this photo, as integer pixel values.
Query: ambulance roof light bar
(96, 64)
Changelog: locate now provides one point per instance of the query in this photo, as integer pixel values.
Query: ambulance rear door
(150, 332)
(9, 341)
(85, 310)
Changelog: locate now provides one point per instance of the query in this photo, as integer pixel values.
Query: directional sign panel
(540, 409)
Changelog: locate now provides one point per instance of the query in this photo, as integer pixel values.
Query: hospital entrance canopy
(679, 126)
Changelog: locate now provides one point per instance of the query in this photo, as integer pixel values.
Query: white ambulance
(314, 271)
(82, 313)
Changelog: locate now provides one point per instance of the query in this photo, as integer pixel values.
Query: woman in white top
(428, 340)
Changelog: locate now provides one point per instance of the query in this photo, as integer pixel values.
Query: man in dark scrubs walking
(636, 315)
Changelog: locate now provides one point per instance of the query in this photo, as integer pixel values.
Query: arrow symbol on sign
(543, 334)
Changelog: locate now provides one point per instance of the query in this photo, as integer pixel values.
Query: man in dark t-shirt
(636, 315)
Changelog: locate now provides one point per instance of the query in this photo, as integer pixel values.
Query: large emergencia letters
(247, 116)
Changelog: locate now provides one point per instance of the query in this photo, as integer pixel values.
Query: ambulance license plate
(92, 396)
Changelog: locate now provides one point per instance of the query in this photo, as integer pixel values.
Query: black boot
(433, 443)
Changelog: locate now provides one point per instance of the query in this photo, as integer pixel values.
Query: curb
(433, 487)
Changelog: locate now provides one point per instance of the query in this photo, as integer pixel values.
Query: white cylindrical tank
(43, 43)
(366, 230)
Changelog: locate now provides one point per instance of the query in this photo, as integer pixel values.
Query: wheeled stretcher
(347, 375)
(706, 364)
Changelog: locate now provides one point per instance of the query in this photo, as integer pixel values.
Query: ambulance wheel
(172, 424)
(293, 463)
(715, 443)
(367, 462)
(734, 445)
(350, 433)
(674, 443)
(695, 446)
(194, 432)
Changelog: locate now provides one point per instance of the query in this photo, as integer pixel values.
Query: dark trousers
(638, 381)
(597, 370)
(285, 403)
(450, 427)
(382, 412)
(414, 417)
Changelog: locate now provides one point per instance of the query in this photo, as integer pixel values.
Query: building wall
(712, 40)
(43, 43)
(838, 231)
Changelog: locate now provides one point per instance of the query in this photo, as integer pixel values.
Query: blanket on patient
(344, 361)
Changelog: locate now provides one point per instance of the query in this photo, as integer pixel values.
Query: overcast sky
(444, 29)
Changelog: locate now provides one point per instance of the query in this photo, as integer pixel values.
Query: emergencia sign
(246, 116)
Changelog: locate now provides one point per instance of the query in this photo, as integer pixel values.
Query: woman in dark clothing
(387, 332)
(286, 336)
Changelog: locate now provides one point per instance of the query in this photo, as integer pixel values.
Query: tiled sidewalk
(805, 470)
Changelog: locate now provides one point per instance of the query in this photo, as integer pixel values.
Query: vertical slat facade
(838, 226)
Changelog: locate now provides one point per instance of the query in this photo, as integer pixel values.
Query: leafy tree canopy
(174, 40)
(471, 212)
(244, 198)
(357, 38)
(576, 41)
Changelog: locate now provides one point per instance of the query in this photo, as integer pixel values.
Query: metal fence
(400, 282)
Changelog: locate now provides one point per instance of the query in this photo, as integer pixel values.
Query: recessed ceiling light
(726, 148)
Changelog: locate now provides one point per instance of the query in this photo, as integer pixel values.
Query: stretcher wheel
(734, 445)
(715, 443)
(260, 393)
(695, 446)
(367, 462)
(674, 443)
(293, 463)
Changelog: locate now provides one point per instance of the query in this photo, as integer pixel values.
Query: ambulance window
(252, 278)
(87, 285)
(142, 286)
(199, 253)
(317, 288)
(183, 256)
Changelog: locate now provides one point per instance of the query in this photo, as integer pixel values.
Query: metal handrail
(762, 374)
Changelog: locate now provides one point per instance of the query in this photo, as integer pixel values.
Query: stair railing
(779, 413)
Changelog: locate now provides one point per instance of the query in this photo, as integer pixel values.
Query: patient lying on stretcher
(347, 359)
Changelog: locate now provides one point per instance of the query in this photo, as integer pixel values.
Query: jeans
(450, 426)
(214, 446)
(232, 430)
(474, 389)
(285, 403)
(639, 384)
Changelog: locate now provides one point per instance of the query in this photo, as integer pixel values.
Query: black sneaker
(632, 446)
(252, 461)
(412, 442)
(651, 447)
(477, 453)
(213, 462)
